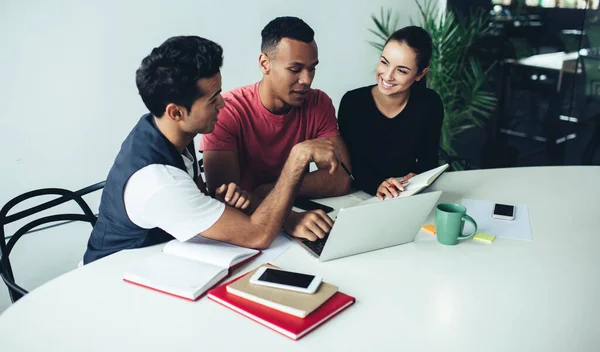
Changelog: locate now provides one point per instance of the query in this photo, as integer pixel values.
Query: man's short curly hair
(284, 27)
(169, 74)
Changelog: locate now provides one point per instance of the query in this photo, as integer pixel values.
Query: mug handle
(469, 219)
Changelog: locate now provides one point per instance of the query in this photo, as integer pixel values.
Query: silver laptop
(368, 227)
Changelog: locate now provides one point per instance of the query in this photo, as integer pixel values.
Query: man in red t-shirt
(261, 122)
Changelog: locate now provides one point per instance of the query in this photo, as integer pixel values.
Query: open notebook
(416, 184)
(188, 269)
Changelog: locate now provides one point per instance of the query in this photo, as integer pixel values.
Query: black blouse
(382, 147)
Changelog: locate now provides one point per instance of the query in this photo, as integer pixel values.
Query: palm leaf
(378, 34)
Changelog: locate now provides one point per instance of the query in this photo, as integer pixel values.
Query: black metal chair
(7, 243)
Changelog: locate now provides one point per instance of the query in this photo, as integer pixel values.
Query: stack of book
(190, 269)
(293, 314)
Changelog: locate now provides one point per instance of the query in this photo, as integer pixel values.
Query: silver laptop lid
(368, 227)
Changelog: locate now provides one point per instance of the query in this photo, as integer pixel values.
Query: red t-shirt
(264, 140)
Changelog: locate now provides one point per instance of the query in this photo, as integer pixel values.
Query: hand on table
(311, 225)
(391, 187)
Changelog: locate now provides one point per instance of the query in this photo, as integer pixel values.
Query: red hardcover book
(285, 324)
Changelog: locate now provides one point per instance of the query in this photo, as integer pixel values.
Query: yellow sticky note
(482, 237)
(429, 228)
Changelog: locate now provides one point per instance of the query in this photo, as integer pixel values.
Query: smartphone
(306, 204)
(286, 280)
(504, 212)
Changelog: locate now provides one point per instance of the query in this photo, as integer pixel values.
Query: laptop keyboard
(316, 246)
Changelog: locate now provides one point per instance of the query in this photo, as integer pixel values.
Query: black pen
(347, 171)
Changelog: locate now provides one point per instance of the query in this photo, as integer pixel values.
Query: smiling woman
(392, 128)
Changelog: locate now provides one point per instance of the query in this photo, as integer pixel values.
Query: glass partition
(544, 62)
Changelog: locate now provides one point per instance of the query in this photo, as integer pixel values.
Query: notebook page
(425, 178)
(420, 181)
(415, 185)
(203, 249)
(176, 275)
(434, 173)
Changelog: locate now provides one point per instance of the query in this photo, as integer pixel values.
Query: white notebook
(188, 269)
(416, 184)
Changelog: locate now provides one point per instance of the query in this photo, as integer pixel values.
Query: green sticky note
(482, 237)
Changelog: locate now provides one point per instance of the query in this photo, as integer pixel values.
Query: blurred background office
(544, 62)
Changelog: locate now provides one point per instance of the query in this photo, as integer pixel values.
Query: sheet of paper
(481, 211)
(280, 245)
(337, 203)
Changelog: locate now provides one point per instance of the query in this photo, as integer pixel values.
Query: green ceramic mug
(449, 223)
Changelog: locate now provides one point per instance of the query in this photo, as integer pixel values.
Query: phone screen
(286, 278)
(504, 210)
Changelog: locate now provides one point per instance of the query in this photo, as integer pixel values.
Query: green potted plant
(456, 76)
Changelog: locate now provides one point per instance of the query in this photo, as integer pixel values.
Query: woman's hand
(391, 187)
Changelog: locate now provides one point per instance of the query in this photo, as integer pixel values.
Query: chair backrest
(592, 32)
(573, 40)
(16, 291)
(521, 48)
(591, 68)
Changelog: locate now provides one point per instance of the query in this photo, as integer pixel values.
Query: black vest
(114, 231)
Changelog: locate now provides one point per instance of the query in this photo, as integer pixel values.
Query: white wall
(67, 69)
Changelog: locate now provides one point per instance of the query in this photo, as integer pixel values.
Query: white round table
(510, 295)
